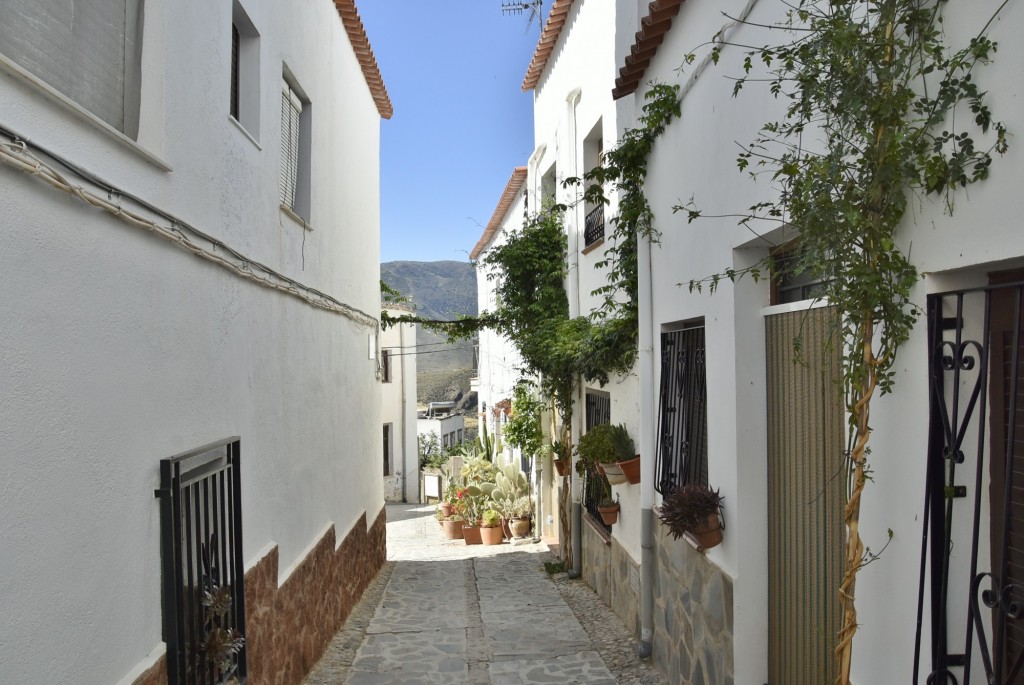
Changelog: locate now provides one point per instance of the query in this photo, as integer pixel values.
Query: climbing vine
(624, 169)
(885, 99)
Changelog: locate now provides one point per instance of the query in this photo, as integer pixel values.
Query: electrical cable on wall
(15, 152)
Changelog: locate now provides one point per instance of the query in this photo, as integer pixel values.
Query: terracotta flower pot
(520, 527)
(609, 514)
(447, 509)
(490, 536)
(471, 534)
(631, 470)
(452, 529)
(563, 467)
(709, 533)
(506, 529)
(613, 473)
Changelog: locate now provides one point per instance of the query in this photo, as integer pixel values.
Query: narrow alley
(443, 612)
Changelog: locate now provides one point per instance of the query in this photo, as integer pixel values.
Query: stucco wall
(122, 349)
(696, 157)
(571, 100)
(398, 402)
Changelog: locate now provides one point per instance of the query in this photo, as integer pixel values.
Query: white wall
(696, 157)
(121, 349)
(398, 399)
(499, 360)
(572, 97)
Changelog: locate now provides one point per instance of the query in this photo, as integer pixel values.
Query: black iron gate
(976, 365)
(203, 576)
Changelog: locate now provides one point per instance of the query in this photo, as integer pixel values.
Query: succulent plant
(687, 507)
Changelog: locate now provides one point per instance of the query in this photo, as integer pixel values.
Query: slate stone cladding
(693, 614)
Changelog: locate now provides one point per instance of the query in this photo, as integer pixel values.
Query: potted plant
(452, 527)
(562, 463)
(509, 485)
(609, 511)
(490, 527)
(522, 512)
(694, 510)
(474, 499)
(605, 445)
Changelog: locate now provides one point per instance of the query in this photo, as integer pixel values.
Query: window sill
(593, 246)
(290, 213)
(606, 537)
(245, 132)
(49, 92)
(798, 306)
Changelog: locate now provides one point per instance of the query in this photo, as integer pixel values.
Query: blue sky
(453, 70)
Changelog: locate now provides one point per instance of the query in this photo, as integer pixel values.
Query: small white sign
(432, 485)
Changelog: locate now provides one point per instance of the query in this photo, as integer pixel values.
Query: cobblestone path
(442, 613)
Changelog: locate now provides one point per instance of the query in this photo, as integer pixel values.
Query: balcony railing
(593, 226)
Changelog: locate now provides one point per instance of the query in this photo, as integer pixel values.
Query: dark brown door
(1006, 422)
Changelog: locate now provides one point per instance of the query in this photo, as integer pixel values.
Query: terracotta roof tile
(653, 28)
(515, 182)
(364, 53)
(548, 38)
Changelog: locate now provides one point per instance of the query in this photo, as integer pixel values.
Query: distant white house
(398, 401)
(189, 252)
(498, 361)
(437, 420)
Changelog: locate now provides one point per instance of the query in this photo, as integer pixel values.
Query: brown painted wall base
(289, 627)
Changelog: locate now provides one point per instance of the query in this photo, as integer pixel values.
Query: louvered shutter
(291, 111)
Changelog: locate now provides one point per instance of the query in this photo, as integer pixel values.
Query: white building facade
(775, 438)
(398, 402)
(191, 249)
(762, 606)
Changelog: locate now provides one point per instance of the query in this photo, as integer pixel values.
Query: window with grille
(202, 570)
(385, 362)
(682, 455)
(598, 411)
(295, 148)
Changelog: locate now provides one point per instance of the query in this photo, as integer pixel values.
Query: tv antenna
(534, 7)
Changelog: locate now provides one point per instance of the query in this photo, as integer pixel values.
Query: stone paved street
(441, 612)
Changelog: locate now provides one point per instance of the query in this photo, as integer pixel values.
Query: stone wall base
(693, 614)
(289, 627)
(612, 573)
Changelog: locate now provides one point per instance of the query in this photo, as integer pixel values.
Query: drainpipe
(573, 278)
(405, 418)
(647, 445)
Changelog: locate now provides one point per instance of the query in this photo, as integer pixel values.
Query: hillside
(438, 290)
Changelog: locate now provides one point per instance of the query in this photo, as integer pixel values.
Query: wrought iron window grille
(593, 226)
(598, 411)
(682, 455)
(202, 568)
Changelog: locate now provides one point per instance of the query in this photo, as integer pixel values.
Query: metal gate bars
(201, 550)
(976, 360)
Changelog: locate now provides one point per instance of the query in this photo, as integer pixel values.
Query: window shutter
(87, 50)
(291, 111)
